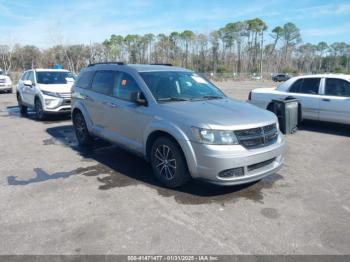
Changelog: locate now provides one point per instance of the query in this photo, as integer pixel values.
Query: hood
(58, 88)
(222, 114)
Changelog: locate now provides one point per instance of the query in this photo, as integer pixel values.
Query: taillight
(250, 95)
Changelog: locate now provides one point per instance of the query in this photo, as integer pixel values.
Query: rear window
(52, 77)
(337, 87)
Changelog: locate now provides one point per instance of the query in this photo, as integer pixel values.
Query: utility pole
(261, 54)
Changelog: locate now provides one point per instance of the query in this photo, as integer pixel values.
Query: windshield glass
(180, 86)
(52, 77)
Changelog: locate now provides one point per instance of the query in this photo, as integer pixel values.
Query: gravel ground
(59, 199)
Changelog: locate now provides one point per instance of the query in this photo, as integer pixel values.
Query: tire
(169, 163)
(82, 133)
(39, 111)
(22, 109)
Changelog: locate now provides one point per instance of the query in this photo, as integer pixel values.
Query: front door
(307, 90)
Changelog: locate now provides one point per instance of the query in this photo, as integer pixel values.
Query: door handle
(86, 97)
(326, 99)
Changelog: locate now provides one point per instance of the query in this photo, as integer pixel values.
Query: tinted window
(337, 87)
(310, 86)
(306, 86)
(103, 82)
(125, 85)
(85, 79)
(295, 88)
(52, 77)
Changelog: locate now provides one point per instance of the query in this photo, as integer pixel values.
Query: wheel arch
(180, 139)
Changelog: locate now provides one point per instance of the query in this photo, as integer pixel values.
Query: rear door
(99, 99)
(20, 85)
(125, 119)
(28, 92)
(335, 102)
(82, 94)
(308, 91)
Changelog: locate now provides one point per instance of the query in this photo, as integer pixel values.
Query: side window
(85, 79)
(125, 85)
(103, 82)
(306, 86)
(310, 86)
(337, 87)
(30, 76)
(295, 88)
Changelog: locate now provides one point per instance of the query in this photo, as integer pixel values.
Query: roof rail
(104, 63)
(162, 64)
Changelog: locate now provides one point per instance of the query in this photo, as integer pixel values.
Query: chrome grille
(65, 95)
(257, 137)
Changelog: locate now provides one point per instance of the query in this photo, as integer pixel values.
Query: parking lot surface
(57, 198)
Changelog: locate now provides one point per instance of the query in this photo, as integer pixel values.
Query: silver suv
(178, 121)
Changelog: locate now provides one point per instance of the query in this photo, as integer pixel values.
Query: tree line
(243, 47)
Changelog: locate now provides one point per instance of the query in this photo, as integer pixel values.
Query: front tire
(39, 111)
(168, 163)
(82, 133)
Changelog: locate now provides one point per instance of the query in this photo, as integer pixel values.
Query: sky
(45, 23)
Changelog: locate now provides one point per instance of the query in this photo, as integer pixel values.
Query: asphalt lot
(56, 198)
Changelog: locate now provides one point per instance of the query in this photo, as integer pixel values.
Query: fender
(178, 134)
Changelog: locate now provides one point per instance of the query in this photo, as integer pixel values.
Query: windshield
(52, 77)
(180, 86)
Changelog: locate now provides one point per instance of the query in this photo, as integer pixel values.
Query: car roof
(341, 76)
(49, 70)
(139, 67)
(284, 86)
(152, 68)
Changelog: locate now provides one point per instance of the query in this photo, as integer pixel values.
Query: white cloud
(324, 10)
(326, 31)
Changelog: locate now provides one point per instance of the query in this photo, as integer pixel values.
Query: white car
(5, 82)
(324, 97)
(48, 91)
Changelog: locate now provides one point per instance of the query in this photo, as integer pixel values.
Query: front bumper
(5, 87)
(56, 105)
(210, 160)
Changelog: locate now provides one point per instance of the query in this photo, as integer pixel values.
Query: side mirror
(28, 83)
(139, 98)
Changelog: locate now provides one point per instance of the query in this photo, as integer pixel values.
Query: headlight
(51, 93)
(216, 137)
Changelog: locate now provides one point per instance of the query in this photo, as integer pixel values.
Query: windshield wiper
(171, 99)
(211, 97)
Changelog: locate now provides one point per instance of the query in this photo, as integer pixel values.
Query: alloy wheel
(165, 161)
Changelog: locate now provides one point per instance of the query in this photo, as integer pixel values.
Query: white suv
(5, 82)
(48, 91)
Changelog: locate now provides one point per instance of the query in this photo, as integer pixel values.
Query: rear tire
(169, 163)
(22, 109)
(39, 111)
(82, 133)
